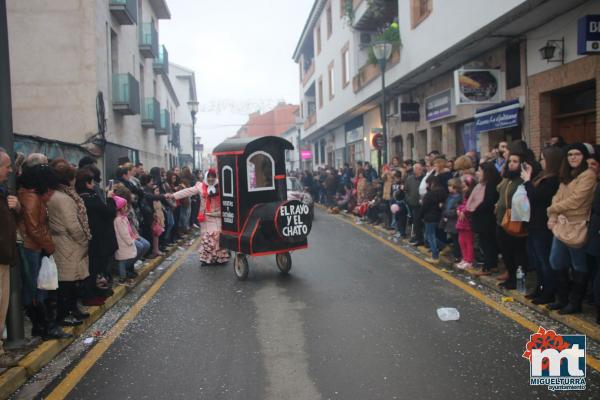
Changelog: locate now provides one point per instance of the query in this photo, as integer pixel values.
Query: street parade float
(257, 217)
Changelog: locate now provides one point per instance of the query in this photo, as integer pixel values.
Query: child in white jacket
(127, 252)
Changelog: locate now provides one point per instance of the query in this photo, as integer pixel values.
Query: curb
(574, 322)
(34, 361)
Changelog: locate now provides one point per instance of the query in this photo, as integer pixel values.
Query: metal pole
(299, 150)
(193, 141)
(383, 112)
(14, 319)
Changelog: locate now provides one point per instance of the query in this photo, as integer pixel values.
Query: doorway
(574, 113)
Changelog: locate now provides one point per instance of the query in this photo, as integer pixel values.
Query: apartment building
(92, 77)
(460, 80)
(184, 84)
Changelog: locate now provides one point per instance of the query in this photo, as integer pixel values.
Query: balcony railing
(125, 94)
(165, 123)
(369, 72)
(124, 11)
(151, 113)
(161, 62)
(310, 120)
(148, 40)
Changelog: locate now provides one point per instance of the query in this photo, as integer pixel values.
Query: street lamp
(299, 125)
(193, 106)
(382, 51)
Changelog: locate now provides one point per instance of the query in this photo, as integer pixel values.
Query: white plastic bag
(48, 276)
(520, 209)
(448, 314)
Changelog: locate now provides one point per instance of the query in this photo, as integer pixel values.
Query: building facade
(92, 77)
(465, 76)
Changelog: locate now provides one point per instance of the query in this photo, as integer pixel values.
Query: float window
(261, 172)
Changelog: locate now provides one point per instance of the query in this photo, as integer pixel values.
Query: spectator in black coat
(483, 219)
(431, 212)
(539, 241)
(103, 243)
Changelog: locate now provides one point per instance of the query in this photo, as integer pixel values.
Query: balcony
(161, 62)
(310, 120)
(370, 16)
(151, 113)
(125, 94)
(164, 127)
(124, 11)
(148, 40)
(369, 72)
(308, 73)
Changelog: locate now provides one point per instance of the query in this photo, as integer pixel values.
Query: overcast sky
(241, 51)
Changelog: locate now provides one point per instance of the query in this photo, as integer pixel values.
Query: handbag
(572, 234)
(48, 275)
(513, 228)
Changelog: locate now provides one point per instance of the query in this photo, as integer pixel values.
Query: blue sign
(439, 105)
(500, 116)
(588, 35)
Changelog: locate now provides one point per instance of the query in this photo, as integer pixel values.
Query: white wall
(563, 26)
(182, 113)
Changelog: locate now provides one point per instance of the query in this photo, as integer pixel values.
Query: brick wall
(539, 99)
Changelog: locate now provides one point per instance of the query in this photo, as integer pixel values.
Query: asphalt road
(353, 320)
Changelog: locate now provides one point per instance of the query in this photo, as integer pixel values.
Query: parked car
(295, 191)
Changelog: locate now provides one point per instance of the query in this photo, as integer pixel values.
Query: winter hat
(578, 146)
(119, 202)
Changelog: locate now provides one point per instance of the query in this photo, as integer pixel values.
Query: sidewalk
(33, 361)
(583, 323)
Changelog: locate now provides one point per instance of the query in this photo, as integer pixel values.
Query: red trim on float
(279, 177)
(269, 253)
(228, 153)
(231, 233)
(244, 228)
(237, 192)
(258, 221)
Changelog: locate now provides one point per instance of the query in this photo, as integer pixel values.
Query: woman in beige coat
(71, 234)
(568, 215)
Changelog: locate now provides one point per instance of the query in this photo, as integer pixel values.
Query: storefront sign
(199, 147)
(504, 115)
(293, 221)
(439, 105)
(354, 135)
(478, 86)
(409, 112)
(306, 154)
(588, 35)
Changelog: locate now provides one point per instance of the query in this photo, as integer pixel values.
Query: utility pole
(14, 319)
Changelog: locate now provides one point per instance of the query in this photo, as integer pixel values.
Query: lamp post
(193, 106)
(382, 51)
(299, 125)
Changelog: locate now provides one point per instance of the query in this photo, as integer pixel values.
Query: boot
(51, 328)
(561, 289)
(37, 324)
(576, 295)
(7, 361)
(544, 298)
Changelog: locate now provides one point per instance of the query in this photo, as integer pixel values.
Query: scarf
(476, 197)
(81, 210)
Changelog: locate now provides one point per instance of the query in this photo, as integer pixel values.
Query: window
(260, 170)
(227, 179)
(319, 38)
(345, 66)
(320, 88)
(322, 151)
(420, 10)
(513, 65)
(317, 152)
(331, 81)
(329, 21)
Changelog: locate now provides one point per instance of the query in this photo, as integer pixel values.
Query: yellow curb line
(591, 361)
(12, 378)
(87, 362)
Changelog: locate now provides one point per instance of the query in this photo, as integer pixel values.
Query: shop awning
(498, 116)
